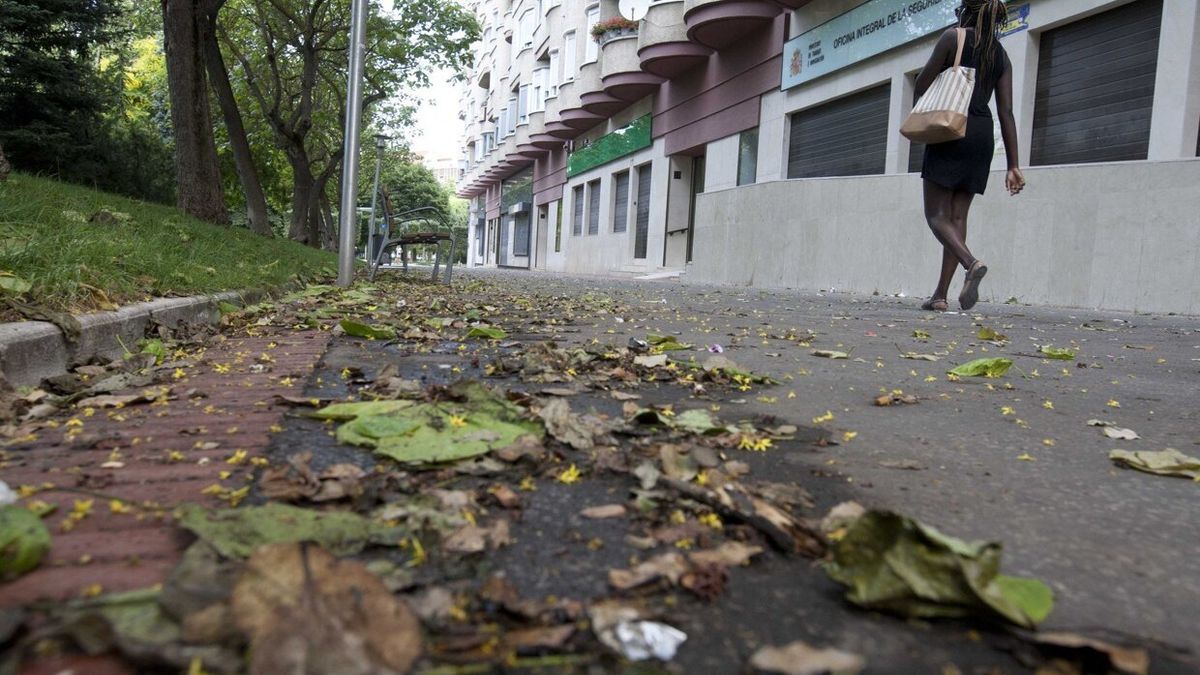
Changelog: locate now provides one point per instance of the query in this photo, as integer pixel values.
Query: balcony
(587, 84)
(720, 23)
(663, 46)
(621, 72)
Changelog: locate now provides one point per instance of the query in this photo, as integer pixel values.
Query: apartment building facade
(755, 142)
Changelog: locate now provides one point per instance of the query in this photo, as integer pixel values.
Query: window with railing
(553, 77)
(569, 57)
(523, 104)
(591, 49)
(526, 27)
(537, 92)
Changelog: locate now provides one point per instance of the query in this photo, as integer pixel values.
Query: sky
(438, 130)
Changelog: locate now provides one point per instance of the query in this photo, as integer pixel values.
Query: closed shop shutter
(1095, 87)
(577, 202)
(521, 235)
(594, 207)
(621, 203)
(846, 137)
(642, 233)
(503, 260)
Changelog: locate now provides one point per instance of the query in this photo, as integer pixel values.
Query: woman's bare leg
(960, 207)
(940, 206)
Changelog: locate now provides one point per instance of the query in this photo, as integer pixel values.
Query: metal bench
(416, 227)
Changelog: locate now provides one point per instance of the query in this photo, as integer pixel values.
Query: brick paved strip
(127, 455)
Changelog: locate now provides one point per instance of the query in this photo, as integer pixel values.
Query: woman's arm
(938, 61)
(1014, 180)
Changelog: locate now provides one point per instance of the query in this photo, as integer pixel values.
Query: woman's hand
(1014, 180)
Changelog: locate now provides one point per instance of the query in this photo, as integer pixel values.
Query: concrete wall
(1122, 236)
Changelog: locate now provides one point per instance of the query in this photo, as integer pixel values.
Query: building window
(641, 223)
(568, 55)
(523, 104)
(594, 206)
(558, 223)
(511, 128)
(845, 137)
(591, 49)
(620, 218)
(537, 92)
(1095, 87)
(526, 27)
(521, 235)
(577, 205)
(553, 75)
(747, 171)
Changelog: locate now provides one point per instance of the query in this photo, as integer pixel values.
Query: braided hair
(986, 17)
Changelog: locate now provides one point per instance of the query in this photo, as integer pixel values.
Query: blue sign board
(869, 29)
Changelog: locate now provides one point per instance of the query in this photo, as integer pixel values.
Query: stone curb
(31, 351)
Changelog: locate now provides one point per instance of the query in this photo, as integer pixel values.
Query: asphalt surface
(1010, 459)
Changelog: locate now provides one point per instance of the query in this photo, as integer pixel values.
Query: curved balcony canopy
(546, 141)
(621, 74)
(562, 131)
(579, 119)
(601, 104)
(531, 151)
(720, 24)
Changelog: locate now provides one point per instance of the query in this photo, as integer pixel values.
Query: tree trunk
(218, 74)
(303, 186)
(196, 168)
(4, 167)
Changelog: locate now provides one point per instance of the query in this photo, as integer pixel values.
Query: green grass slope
(83, 250)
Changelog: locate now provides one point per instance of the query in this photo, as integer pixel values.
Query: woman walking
(955, 171)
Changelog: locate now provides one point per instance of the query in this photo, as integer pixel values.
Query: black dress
(964, 164)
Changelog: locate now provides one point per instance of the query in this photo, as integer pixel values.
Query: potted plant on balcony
(611, 29)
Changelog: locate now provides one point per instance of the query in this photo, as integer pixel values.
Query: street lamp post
(349, 213)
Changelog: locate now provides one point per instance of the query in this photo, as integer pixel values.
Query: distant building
(756, 142)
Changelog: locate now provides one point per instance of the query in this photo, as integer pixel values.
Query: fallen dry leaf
(308, 612)
(798, 658)
(604, 511)
(669, 566)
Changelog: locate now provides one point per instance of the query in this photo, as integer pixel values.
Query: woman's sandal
(935, 305)
(970, 292)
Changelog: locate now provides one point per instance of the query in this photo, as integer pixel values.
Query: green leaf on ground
(1059, 353)
(897, 564)
(698, 421)
(363, 330)
(473, 422)
(666, 343)
(1169, 462)
(983, 367)
(24, 539)
(921, 334)
(487, 332)
(236, 533)
(348, 411)
(227, 308)
(990, 335)
(10, 283)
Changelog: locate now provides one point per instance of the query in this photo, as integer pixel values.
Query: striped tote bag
(941, 114)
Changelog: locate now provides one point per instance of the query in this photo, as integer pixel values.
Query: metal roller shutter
(577, 204)
(1095, 87)
(503, 240)
(594, 207)
(521, 235)
(846, 137)
(621, 202)
(642, 231)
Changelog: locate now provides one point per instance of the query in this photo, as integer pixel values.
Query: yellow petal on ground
(1025, 457)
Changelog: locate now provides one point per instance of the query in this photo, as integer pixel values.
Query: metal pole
(349, 214)
(379, 141)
